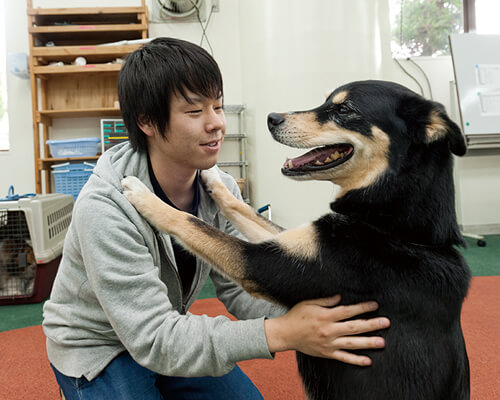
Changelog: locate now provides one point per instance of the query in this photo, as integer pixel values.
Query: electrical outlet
(215, 6)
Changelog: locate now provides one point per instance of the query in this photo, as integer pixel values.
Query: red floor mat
(26, 374)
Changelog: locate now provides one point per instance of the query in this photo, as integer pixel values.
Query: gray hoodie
(117, 289)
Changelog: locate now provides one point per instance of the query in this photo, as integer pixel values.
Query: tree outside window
(422, 27)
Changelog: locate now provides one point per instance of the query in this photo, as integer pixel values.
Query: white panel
(476, 61)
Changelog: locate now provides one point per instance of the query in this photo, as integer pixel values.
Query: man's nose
(215, 120)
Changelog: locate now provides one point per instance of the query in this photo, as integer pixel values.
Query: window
(4, 119)
(486, 16)
(421, 27)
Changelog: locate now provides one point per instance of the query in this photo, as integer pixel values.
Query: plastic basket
(70, 178)
(83, 147)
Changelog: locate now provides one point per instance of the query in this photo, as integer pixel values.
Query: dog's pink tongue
(309, 158)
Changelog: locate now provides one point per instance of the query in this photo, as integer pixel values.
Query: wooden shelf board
(87, 11)
(45, 70)
(91, 52)
(64, 29)
(77, 113)
(45, 163)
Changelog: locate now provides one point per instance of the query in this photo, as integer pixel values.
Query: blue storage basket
(83, 147)
(70, 178)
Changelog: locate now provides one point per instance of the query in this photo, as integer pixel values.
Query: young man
(117, 323)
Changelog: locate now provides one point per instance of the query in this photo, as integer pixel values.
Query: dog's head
(362, 131)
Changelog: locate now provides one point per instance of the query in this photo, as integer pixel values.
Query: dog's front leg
(223, 251)
(254, 226)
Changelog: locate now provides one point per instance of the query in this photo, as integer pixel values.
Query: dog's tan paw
(211, 178)
(136, 192)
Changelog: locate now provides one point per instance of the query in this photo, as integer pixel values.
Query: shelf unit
(237, 165)
(100, 35)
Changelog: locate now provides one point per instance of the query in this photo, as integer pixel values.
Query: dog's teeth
(290, 164)
(336, 155)
(328, 160)
(318, 162)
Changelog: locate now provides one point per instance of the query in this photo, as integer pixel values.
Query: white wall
(17, 164)
(292, 56)
(275, 55)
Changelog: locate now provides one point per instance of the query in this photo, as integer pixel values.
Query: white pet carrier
(32, 232)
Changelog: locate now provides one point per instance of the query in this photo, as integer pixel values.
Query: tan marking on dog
(301, 242)
(217, 248)
(340, 97)
(304, 130)
(221, 250)
(305, 118)
(437, 128)
(364, 169)
(252, 288)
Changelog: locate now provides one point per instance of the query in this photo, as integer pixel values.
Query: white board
(476, 62)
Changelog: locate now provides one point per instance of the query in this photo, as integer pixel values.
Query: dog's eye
(343, 109)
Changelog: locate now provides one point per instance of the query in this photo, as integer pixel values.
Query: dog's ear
(441, 126)
(430, 117)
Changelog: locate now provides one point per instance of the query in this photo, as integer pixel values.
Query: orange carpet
(26, 374)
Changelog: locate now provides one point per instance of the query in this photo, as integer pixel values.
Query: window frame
(469, 12)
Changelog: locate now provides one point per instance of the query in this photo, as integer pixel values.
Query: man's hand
(312, 327)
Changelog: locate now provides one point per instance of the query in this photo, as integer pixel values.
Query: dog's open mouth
(318, 159)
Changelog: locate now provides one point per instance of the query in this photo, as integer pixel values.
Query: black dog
(391, 237)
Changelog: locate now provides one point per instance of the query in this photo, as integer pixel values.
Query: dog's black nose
(274, 119)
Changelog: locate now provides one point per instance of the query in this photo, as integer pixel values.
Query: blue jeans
(124, 379)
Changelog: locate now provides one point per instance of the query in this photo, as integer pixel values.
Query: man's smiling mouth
(213, 143)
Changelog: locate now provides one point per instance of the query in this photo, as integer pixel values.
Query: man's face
(195, 132)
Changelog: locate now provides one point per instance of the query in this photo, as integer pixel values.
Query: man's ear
(144, 123)
(441, 126)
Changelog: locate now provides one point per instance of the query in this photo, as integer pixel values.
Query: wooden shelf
(48, 70)
(91, 26)
(45, 163)
(95, 36)
(92, 53)
(81, 12)
(65, 29)
(76, 113)
(46, 116)
(100, 35)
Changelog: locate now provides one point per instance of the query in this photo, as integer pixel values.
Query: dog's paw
(136, 192)
(211, 178)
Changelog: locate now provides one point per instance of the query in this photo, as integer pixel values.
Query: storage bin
(70, 178)
(82, 147)
(32, 232)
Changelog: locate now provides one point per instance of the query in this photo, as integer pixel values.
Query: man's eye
(194, 111)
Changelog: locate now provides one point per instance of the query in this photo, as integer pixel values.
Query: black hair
(154, 73)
